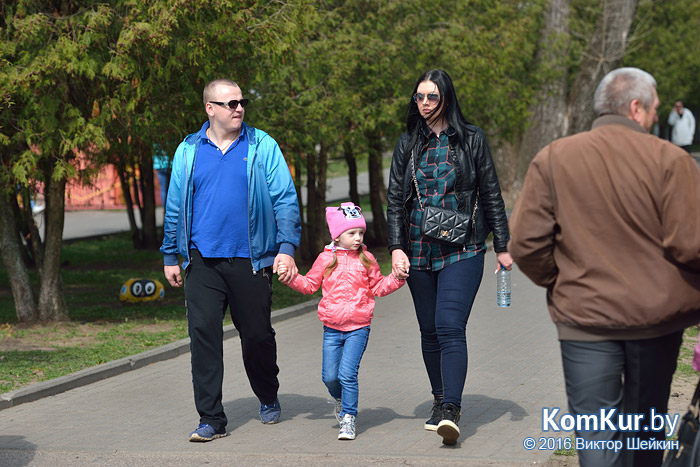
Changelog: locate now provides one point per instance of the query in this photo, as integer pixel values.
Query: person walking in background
(443, 160)
(607, 221)
(232, 214)
(350, 278)
(683, 123)
(161, 164)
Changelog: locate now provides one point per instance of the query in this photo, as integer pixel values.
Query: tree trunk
(24, 233)
(505, 157)
(548, 121)
(13, 261)
(559, 110)
(316, 168)
(377, 190)
(128, 201)
(605, 51)
(352, 172)
(304, 250)
(52, 304)
(148, 211)
(33, 237)
(321, 185)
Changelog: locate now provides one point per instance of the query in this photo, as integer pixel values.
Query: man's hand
(172, 274)
(285, 266)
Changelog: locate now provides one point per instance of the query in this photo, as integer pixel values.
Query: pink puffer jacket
(348, 293)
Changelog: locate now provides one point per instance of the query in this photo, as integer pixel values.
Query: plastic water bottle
(503, 287)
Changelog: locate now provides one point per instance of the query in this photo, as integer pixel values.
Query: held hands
(285, 267)
(399, 264)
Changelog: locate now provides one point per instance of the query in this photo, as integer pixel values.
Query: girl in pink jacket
(349, 278)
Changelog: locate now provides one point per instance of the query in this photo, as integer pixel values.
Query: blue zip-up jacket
(274, 225)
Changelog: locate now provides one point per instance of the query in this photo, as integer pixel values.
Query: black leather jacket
(474, 169)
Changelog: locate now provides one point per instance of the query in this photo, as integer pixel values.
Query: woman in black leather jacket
(449, 162)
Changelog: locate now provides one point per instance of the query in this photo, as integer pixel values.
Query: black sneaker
(447, 428)
(435, 415)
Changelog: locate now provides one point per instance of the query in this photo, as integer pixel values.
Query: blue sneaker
(205, 432)
(270, 413)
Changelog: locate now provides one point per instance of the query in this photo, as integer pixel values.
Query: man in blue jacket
(232, 214)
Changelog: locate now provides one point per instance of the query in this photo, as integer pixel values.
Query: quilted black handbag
(446, 225)
(442, 224)
(688, 452)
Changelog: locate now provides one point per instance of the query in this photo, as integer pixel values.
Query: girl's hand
(399, 264)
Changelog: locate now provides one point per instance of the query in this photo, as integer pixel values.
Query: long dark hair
(450, 110)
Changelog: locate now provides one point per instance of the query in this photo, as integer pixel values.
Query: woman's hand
(504, 259)
(399, 264)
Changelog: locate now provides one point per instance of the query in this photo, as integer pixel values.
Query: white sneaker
(347, 427)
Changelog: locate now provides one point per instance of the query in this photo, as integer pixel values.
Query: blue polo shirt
(220, 202)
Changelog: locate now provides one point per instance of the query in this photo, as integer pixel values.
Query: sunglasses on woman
(232, 104)
(432, 97)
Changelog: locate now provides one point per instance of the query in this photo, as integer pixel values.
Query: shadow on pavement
(20, 454)
(477, 410)
(242, 411)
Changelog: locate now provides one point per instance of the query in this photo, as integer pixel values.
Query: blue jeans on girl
(443, 301)
(342, 352)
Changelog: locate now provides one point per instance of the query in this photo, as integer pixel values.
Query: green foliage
(488, 49)
(103, 75)
(355, 68)
(665, 45)
(52, 59)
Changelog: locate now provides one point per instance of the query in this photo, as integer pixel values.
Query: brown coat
(609, 222)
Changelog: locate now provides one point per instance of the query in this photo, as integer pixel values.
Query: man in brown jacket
(608, 221)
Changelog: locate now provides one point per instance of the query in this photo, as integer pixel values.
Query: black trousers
(212, 285)
(631, 376)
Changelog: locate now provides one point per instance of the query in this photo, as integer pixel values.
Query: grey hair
(209, 88)
(620, 87)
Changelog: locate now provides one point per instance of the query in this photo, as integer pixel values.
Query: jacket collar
(618, 120)
(329, 247)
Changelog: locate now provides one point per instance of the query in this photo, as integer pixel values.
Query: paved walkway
(142, 417)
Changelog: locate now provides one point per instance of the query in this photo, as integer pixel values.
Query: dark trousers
(212, 285)
(443, 301)
(631, 376)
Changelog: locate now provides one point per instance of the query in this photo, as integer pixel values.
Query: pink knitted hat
(346, 217)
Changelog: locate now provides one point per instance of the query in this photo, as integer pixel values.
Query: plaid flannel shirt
(436, 181)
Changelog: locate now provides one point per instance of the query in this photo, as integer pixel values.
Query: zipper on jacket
(250, 177)
(190, 180)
